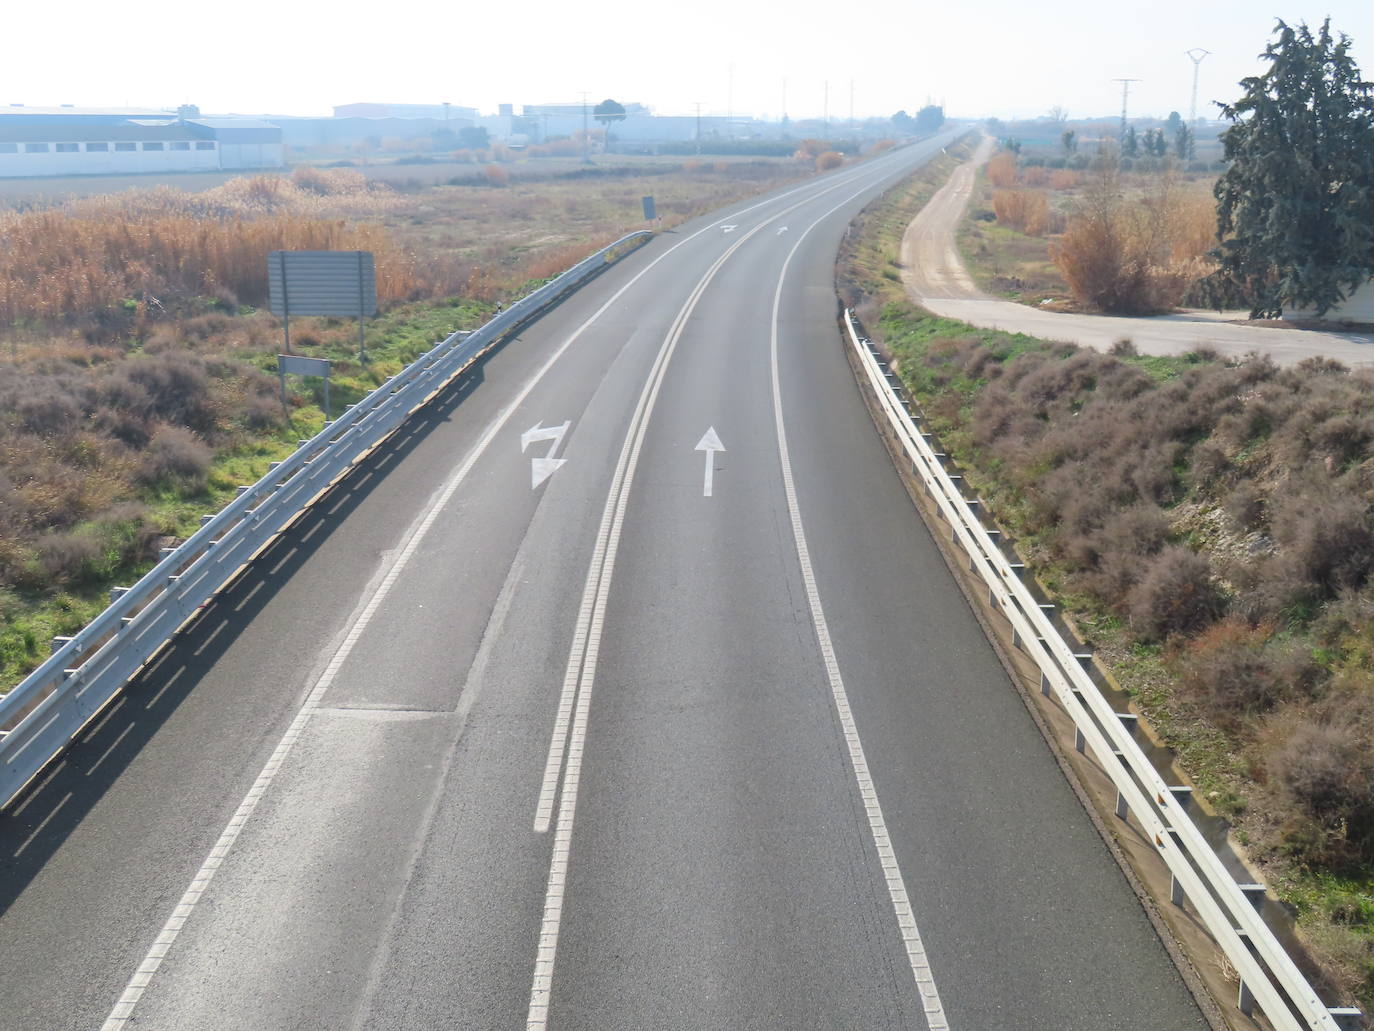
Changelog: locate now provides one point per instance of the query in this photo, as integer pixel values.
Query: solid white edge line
(882, 843)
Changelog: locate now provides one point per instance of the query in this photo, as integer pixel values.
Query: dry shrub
(496, 175)
(828, 160)
(1175, 595)
(1064, 179)
(1127, 257)
(720, 166)
(1236, 671)
(812, 147)
(691, 165)
(1002, 170)
(175, 456)
(1192, 226)
(96, 551)
(880, 147)
(1036, 175)
(1026, 211)
(1325, 540)
(1321, 760)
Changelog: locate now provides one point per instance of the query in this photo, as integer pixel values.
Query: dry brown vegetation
(1134, 255)
(1126, 243)
(1221, 520)
(1026, 211)
(132, 382)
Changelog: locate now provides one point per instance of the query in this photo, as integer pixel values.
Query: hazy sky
(1004, 57)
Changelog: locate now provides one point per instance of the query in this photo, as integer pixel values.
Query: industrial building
(95, 141)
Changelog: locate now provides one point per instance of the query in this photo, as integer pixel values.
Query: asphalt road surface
(697, 732)
(935, 277)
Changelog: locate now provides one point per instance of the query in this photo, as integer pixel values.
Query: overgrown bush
(175, 456)
(1175, 595)
(1322, 760)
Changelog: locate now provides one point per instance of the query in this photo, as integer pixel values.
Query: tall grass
(60, 264)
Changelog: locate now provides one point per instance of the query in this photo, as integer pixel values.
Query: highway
(694, 732)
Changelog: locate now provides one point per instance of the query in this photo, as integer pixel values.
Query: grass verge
(1206, 526)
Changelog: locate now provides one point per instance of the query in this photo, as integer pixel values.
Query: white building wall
(89, 159)
(1358, 307)
(252, 155)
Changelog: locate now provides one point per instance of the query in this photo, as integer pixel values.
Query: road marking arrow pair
(542, 468)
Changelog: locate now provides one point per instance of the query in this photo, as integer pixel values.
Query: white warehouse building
(55, 146)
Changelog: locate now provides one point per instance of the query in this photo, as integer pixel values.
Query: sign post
(342, 283)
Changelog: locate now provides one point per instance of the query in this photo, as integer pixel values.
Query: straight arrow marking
(710, 443)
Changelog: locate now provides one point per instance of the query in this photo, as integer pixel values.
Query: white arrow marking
(542, 468)
(728, 229)
(710, 443)
(781, 230)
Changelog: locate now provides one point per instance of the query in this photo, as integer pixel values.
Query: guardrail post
(1254, 893)
(1129, 720)
(1183, 793)
(1245, 1000)
(1045, 687)
(116, 593)
(1347, 1018)
(58, 643)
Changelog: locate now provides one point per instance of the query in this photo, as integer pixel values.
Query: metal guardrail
(41, 716)
(1269, 978)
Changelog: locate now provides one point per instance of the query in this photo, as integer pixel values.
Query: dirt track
(935, 277)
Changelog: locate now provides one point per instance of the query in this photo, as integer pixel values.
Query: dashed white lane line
(581, 670)
(887, 858)
(572, 675)
(574, 709)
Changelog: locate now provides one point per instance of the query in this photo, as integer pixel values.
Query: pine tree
(1296, 206)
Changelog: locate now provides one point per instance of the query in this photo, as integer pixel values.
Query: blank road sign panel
(294, 363)
(322, 283)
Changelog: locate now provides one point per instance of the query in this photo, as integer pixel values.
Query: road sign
(299, 366)
(650, 212)
(322, 283)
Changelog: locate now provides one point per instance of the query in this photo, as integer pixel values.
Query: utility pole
(784, 98)
(826, 132)
(698, 107)
(730, 101)
(851, 103)
(586, 139)
(1196, 54)
(1125, 94)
